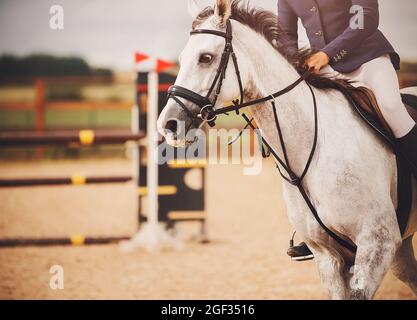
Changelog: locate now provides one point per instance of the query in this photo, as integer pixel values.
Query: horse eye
(205, 58)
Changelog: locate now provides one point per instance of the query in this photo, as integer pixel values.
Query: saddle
(364, 103)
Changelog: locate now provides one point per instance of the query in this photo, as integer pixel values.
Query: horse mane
(266, 23)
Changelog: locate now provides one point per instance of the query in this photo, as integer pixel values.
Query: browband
(213, 32)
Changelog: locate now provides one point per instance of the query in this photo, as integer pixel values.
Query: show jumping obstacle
(75, 180)
(170, 199)
(75, 240)
(83, 138)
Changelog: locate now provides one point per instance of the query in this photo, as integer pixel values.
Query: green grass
(88, 119)
(54, 119)
(23, 120)
(67, 119)
(63, 152)
(17, 94)
(115, 92)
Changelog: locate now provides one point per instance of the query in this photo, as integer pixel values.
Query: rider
(348, 44)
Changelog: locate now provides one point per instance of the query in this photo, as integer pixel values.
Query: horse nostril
(172, 126)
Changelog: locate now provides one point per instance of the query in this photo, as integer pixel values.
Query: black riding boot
(408, 146)
(300, 252)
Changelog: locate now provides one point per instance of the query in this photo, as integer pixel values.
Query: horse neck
(270, 72)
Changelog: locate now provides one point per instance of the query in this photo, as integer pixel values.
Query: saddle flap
(366, 100)
(410, 102)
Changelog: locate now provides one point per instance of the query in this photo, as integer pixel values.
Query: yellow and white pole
(152, 170)
(135, 152)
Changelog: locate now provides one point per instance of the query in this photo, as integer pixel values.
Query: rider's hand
(318, 61)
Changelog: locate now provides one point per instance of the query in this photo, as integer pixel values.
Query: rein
(208, 113)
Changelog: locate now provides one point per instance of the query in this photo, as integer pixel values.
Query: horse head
(207, 75)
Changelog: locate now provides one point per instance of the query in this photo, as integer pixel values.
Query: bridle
(208, 113)
(207, 103)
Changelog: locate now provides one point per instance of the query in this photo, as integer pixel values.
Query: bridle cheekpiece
(208, 112)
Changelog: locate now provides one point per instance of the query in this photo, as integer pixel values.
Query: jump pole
(152, 171)
(135, 154)
(82, 138)
(153, 235)
(74, 240)
(74, 180)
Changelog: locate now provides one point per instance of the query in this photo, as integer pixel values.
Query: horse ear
(193, 8)
(223, 10)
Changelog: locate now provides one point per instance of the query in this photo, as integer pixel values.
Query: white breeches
(379, 75)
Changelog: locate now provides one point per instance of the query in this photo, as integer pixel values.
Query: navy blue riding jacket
(329, 29)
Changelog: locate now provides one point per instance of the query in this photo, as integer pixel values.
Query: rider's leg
(380, 76)
(408, 145)
(300, 252)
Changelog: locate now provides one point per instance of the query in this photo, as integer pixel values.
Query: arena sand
(245, 259)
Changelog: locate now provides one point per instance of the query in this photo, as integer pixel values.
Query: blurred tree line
(67, 75)
(48, 65)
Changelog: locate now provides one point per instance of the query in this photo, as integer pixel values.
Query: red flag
(162, 65)
(139, 57)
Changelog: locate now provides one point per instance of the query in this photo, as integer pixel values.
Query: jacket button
(319, 33)
(313, 9)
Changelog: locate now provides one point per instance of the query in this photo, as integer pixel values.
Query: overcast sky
(107, 32)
